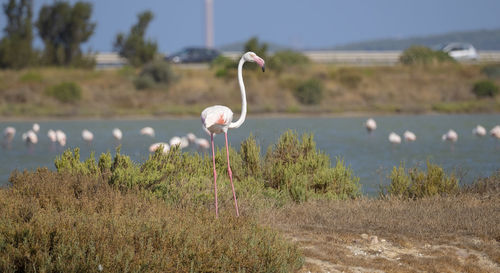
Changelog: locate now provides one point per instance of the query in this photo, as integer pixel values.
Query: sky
(306, 24)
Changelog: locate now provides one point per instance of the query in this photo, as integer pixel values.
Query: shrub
(421, 55)
(70, 222)
(224, 66)
(31, 77)
(144, 82)
(157, 72)
(415, 183)
(65, 92)
(485, 88)
(287, 58)
(309, 91)
(297, 168)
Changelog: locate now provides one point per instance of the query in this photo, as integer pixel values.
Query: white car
(461, 51)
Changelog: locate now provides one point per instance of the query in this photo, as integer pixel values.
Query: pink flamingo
(218, 119)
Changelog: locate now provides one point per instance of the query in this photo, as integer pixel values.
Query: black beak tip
(263, 69)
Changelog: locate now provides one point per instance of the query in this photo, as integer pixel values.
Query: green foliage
(31, 77)
(296, 167)
(309, 91)
(144, 82)
(492, 71)
(16, 46)
(421, 55)
(287, 58)
(133, 46)
(63, 28)
(415, 183)
(224, 67)
(69, 222)
(256, 47)
(68, 92)
(485, 88)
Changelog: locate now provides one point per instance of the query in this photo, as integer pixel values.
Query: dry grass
(445, 88)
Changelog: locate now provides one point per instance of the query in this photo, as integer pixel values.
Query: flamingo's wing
(216, 115)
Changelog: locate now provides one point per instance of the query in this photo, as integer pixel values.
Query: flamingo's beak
(261, 63)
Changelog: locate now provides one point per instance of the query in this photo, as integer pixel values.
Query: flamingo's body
(30, 137)
(202, 143)
(35, 128)
(218, 119)
(495, 132)
(61, 138)
(394, 138)
(479, 130)
(157, 145)
(87, 135)
(191, 137)
(451, 135)
(409, 136)
(117, 134)
(9, 133)
(51, 134)
(148, 131)
(370, 125)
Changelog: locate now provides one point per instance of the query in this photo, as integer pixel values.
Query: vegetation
(421, 55)
(485, 88)
(133, 46)
(157, 72)
(415, 183)
(66, 92)
(77, 222)
(16, 46)
(309, 91)
(491, 71)
(286, 59)
(63, 28)
(115, 215)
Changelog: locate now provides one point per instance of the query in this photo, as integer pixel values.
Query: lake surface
(371, 156)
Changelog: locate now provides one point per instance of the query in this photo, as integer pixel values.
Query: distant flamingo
(157, 145)
(191, 137)
(36, 127)
(451, 136)
(394, 138)
(30, 137)
(9, 133)
(87, 136)
(202, 143)
(218, 119)
(182, 142)
(52, 135)
(370, 125)
(61, 138)
(495, 132)
(479, 130)
(409, 136)
(117, 134)
(148, 131)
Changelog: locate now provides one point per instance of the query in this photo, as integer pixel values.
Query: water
(371, 156)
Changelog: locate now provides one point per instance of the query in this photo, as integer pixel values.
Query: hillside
(481, 39)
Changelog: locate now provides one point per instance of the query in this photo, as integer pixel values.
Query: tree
(16, 46)
(63, 29)
(258, 48)
(133, 46)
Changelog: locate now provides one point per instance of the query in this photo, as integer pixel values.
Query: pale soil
(370, 253)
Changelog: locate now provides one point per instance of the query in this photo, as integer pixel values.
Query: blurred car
(461, 51)
(194, 55)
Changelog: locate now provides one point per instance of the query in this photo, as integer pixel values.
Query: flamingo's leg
(215, 177)
(231, 176)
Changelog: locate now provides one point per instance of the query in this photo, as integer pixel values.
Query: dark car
(194, 55)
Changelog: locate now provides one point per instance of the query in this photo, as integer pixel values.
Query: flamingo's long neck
(243, 115)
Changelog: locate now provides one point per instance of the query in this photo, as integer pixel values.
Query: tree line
(63, 28)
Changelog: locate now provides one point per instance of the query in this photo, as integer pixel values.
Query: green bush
(70, 222)
(297, 168)
(287, 58)
(31, 77)
(67, 92)
(309, 91)
(291, 170)
(224, 67)
(485, 88)
(415, 183)
(144, 82)
(421, 55)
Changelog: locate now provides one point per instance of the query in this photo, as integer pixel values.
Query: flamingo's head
(252, 57)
